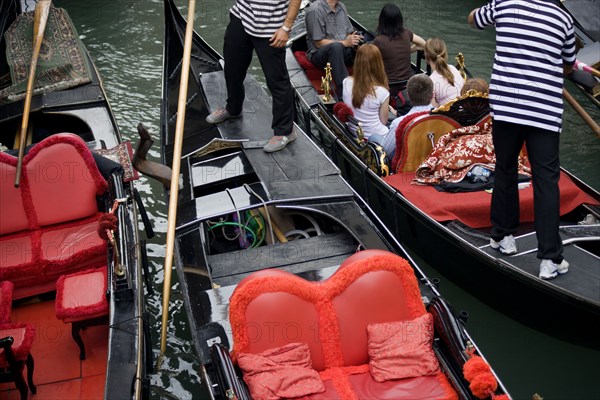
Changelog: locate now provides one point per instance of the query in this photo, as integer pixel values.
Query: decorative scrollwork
(326, 84)
(467, 109)
(372, 155)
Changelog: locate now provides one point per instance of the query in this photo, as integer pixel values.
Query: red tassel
(484, 385)
(342, 111)
(106, 222)
(500, 397)
(475, 366)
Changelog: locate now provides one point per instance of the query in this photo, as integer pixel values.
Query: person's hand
(279, 38)
(354, 39)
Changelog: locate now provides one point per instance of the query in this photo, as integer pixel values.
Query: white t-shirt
(443, 90)
(368, 113)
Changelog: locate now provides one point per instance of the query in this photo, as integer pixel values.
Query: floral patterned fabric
(457, 152)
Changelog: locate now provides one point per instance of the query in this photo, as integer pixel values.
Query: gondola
(458, 246)
(288, 225)
(71, 290)
(587, 32)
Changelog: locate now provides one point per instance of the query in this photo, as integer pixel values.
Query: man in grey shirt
(331, 38)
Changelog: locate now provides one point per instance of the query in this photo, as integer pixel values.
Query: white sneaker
(550, 270)
(506, 246)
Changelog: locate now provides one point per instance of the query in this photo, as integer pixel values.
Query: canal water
(125, 40)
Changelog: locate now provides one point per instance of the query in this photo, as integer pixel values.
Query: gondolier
(264, 26)
(535, 41)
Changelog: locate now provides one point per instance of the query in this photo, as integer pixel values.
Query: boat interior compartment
(219, 173)
(42, 125)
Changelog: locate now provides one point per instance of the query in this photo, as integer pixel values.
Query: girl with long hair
(396, 44)
(447, 81)
(367, 93)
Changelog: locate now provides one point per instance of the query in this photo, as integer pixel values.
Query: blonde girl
(447, 81)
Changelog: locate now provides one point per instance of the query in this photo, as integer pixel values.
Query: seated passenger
(476, 84)
(331, 38)
(367, 94)
(420, 92)
(447, 81)
(396, 43)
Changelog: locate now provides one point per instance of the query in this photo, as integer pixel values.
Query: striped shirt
(534, 39)
(261, 18)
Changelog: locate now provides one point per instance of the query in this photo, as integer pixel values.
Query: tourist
(366, 92)
(331, 38)
(447, 81)
(251, 29)
(396, 44)
(420, 92)
(477, 84)
(536, 39)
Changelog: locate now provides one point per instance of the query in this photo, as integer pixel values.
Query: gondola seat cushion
(82, 295)
(48, 226)
(399, 350)
(272, 308)
(280, 372)
(313, 73)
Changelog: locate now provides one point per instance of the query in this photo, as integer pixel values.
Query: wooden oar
(582, 113)
(39, 26)
(584, 67)
(174, 192)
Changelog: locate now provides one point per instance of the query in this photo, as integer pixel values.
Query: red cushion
(82, 295)
(403, 349)
(363, 386)
(6, 297)
(63, 180)
(23, 335)
(67, 244)
(331, 317)
(13, 217)
(304, 61)
(281, 372)
(15, 250)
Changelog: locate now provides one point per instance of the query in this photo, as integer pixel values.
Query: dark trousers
(338, 56)
(542, 150)
(237, 51)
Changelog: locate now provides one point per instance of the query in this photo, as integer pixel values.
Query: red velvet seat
(313, 73)
(47, 225)
(6, 297)
(15, 346)
(272, 308)
(81, 301)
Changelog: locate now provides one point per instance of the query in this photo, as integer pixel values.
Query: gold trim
(470, 93)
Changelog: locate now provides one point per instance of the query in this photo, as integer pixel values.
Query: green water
(125, 40)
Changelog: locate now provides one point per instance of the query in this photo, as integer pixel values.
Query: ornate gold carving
(360, 134)
(326, 85)
(470, 93)
(460, 61)
(217, 144)
(373, 157)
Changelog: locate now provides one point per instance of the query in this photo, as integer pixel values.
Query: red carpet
(473, 208)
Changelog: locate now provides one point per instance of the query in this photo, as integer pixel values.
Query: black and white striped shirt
(261, 18)
(533, 40)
